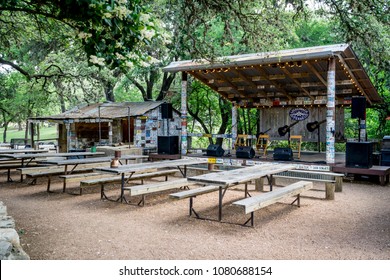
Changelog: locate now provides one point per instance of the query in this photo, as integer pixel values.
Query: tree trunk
(5, 131)
(109, 91)
(225, 116)
(168, 79)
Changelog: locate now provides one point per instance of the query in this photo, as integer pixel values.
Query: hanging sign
(299, 114)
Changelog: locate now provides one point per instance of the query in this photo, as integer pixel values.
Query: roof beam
(314, 70)
(275, 84)
(206, 82)
(297, 83)
(352, 76)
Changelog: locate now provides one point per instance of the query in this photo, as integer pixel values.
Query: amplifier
(168, 145)
(215, 150)
(283, 154)
(245, 152)
(358, 154)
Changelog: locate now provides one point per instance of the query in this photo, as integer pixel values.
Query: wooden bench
(254, 203)
(53, 170)
(333, 181)
(71, 178)
(117, 179)
(143, 190)
(193, 193)
(13, 165)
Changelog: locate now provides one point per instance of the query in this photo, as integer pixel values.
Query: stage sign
(299, 114)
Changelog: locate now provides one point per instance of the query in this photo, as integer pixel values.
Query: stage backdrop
(278, 117)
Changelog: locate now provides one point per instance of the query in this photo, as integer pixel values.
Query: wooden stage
(309, 161)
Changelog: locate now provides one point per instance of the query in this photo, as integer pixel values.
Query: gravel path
(60, 226)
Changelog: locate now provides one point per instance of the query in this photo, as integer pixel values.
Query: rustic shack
(134, 123)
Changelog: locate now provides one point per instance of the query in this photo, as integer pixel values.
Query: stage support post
(234, 125)
(331, 112)
(184, 135)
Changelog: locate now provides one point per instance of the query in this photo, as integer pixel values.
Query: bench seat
(254, 203)
(117, 179)
(194, 192)
(333, 181)
(157, 187)
(54, 170)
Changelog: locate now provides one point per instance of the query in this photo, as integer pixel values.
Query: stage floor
(315, 158)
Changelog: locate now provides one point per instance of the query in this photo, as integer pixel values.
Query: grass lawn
(45, 133)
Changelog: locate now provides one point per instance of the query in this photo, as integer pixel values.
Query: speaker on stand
(167, 144)
(358, 111)
(166, 111)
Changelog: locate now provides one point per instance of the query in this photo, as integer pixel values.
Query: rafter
(297, 83)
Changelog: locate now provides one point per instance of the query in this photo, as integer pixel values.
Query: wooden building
(136, 123)
(317, 81)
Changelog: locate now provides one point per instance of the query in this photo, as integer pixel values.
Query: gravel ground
(60, 226)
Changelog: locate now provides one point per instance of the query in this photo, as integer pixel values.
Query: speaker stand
(318, 140)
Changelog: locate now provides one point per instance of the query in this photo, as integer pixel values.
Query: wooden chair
(263, 143)
(241, 140)
(298, 140)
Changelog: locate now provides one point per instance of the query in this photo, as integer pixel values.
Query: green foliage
(109, 31)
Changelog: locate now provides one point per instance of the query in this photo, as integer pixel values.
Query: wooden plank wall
(277, 117)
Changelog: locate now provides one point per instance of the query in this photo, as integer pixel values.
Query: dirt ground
(60, 226)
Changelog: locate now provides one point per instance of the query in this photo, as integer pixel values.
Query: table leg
(122, 186)
(21, 174)
(220, 204)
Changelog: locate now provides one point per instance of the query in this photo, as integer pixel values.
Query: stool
(298, 139)
(263, 143)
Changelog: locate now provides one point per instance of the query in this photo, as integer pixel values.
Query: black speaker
(215, 150)
(359, 154)
(358, 108)
(166, 111)
(168, 145)
(283, 154)
(245, 152)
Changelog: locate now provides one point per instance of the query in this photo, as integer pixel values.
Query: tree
(109, 31)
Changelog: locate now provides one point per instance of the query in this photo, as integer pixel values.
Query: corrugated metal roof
(107, 111)
(286, 77)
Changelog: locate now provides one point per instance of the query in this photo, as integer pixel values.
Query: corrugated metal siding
(107, 111)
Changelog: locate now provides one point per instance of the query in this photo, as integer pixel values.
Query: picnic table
(4, 152)
(28, 157)
(130, 169)
(225, 179)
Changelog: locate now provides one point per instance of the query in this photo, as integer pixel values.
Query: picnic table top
(241, 175)
(130, 168)
(4, 152)
(133, 157)
(41, 155)
(77, 160)
(90, 160)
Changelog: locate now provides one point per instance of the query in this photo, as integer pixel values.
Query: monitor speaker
(166, 111)
(168, 145)
(215, 150)
(245, 152)
(359, 154)
(283, 154)
(358, 108)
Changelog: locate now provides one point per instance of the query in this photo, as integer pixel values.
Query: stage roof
(283, 78)
(108, 111)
